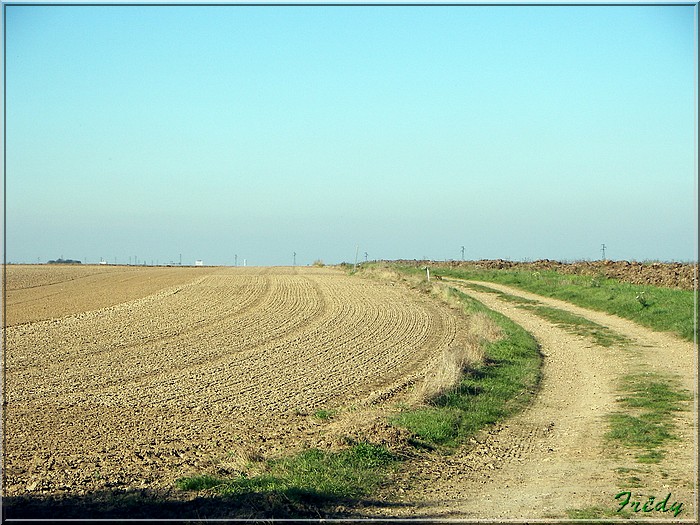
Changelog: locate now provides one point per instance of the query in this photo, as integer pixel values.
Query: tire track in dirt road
(553, 457)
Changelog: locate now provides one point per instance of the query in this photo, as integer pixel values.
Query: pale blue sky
(519, 132)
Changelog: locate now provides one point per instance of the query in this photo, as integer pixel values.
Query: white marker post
(427, 272)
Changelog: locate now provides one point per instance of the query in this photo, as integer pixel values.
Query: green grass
(486, 394)
(602, 335)
(645, 432)
(646, 425)
(661, 309)
(325, 415)
(654, 392)
(313, 474)
(628, 477)
(505, 296)
(486, 289)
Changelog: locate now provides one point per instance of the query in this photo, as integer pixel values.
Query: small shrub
(199, 482)
(641, 299)
(325, 415)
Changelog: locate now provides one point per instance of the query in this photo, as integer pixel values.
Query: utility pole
(357, 251)
(602, 249)
(462, 252)
(295, 258)
(235, 260)
(180, 259)
(365, 256)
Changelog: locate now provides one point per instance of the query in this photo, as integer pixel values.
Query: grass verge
(661, 309)
(313, 476)
(486, 393)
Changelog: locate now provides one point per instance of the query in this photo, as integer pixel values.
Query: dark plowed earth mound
(668, 275)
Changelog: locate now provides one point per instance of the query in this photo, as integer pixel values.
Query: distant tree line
(64, 261)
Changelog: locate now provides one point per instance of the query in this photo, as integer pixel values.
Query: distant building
(198, 262)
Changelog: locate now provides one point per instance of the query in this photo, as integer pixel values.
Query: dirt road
(553, 458)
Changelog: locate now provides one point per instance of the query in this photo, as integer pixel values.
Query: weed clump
(647, 423)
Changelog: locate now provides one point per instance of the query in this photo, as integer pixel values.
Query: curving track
(144, 391)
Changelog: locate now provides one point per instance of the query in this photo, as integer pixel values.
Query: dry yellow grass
(445, 376)
(456, 358)
(482, 326)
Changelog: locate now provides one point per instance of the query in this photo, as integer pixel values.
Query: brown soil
(553, 458)
(39, 292)
(211, 370)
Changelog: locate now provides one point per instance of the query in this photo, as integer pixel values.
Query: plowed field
(123, 377)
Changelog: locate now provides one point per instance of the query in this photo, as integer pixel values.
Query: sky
(235, 133)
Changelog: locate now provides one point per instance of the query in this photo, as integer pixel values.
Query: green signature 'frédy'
(648, 506)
